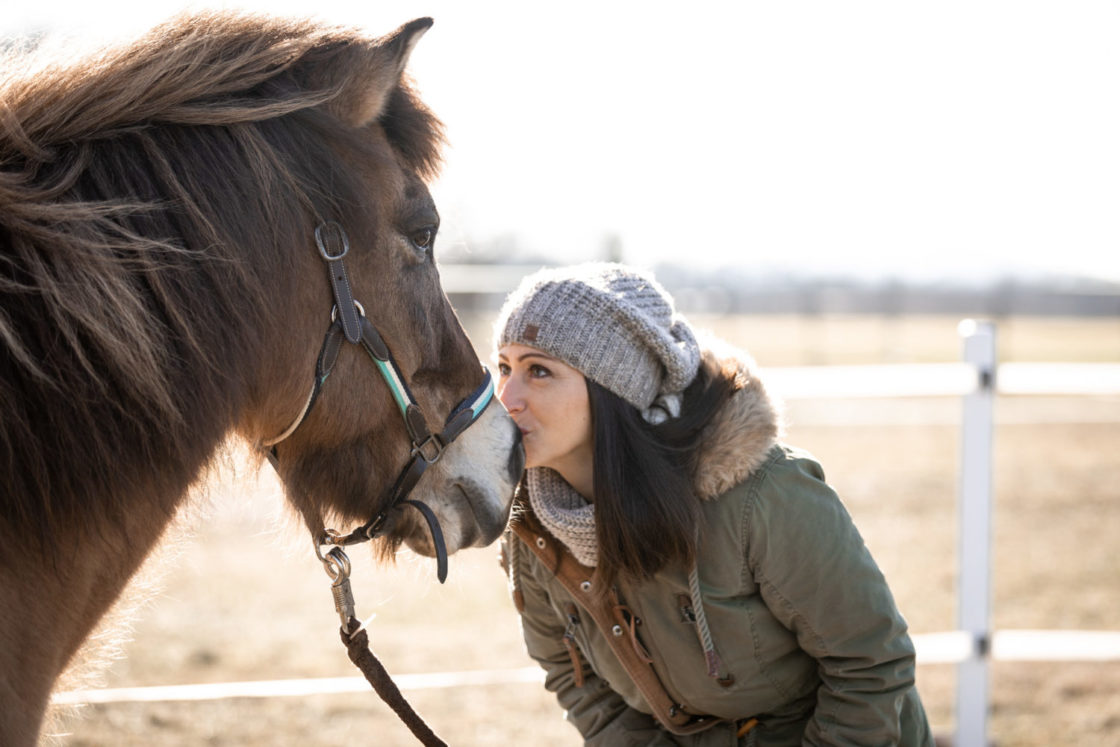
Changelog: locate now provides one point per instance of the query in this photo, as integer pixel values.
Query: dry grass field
(237, 594)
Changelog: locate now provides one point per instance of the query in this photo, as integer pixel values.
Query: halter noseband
(349, 323)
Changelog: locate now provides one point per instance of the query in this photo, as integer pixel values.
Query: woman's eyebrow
(544, 356)
(503, 358)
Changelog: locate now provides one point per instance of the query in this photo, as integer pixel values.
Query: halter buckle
(430, 445)
(321, 239)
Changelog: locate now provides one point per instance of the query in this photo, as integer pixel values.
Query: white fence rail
(933, 648)
(939, 380)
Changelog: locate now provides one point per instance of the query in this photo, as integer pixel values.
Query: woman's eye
(539, 372)
(503, 370)
(423, 238)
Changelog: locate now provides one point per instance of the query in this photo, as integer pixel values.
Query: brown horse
(161, 288)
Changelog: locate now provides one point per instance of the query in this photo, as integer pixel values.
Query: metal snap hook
(336, 564)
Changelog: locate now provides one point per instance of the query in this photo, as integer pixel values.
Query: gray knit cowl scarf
(565, 513)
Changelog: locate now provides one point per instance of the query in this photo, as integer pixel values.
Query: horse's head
(161, 285)
(345, 453)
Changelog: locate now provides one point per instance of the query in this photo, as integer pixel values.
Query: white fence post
(975, 533)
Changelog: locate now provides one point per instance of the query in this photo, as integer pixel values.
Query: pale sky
(868, 138)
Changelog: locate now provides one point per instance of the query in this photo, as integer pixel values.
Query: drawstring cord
(710, 654)
(515, 573)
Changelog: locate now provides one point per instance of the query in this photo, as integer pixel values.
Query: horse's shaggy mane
(145, 194)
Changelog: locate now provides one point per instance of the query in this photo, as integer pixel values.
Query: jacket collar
(740, 436)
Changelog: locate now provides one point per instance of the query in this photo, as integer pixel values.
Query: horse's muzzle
(516, 456)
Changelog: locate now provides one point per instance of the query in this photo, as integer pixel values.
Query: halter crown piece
(349, 324)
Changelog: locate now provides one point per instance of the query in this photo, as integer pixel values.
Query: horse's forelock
(415, 133)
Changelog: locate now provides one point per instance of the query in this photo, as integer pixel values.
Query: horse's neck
(50, 601)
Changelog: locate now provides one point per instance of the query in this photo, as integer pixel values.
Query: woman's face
(548, 400)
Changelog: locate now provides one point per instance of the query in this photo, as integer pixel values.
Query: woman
(682, 576)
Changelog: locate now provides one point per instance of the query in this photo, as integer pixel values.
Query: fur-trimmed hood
(739, 438)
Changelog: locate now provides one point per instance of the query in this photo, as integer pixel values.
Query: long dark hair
(647, 514)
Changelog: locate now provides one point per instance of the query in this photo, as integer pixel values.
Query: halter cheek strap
(333, 245)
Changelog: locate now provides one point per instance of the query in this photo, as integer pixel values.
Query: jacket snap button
(585, 585)
(540, 542)
(616, 631)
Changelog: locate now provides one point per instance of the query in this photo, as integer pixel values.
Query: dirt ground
(237, 595)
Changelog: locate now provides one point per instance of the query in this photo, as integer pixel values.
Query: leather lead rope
(356, 640)
(357, 647)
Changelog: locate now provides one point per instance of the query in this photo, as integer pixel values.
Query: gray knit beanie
(614, 324)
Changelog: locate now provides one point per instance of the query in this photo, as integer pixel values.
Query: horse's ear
(373, 72)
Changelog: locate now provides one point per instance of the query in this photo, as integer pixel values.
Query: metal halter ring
(432, 445)
(328, 537)
(361, 310)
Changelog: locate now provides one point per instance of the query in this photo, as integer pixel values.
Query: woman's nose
(509, 394)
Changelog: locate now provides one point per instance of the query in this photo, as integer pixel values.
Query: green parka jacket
(809, 647)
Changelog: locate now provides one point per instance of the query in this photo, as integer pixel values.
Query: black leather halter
(349, 324)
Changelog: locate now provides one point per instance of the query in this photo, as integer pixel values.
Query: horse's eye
(424, 238)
